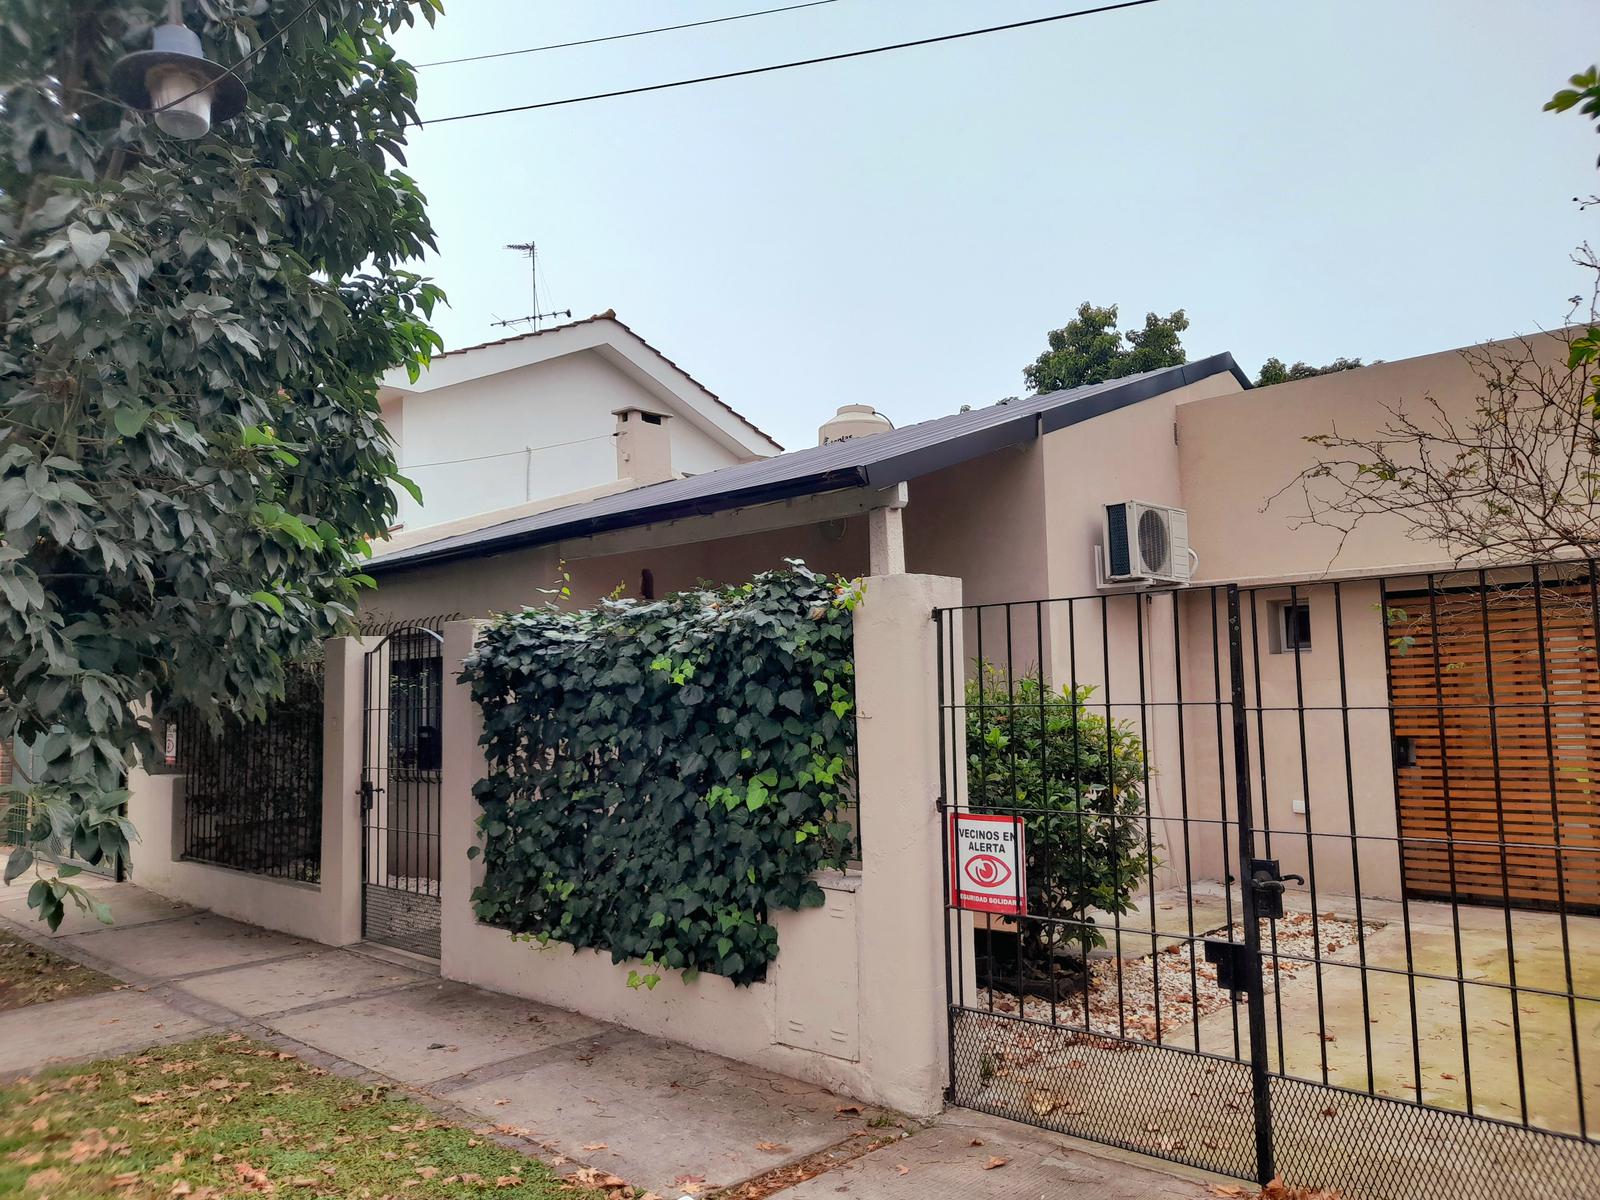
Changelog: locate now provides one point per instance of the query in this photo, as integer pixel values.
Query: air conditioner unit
(1146, 543)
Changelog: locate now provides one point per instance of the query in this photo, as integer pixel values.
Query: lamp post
(187, 91)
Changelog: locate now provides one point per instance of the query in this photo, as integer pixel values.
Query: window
(1293, 628)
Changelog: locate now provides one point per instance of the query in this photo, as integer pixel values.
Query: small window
(1293, 630)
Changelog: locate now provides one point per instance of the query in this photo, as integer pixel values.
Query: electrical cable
(448, 462)
(805, 62)
(617, 37)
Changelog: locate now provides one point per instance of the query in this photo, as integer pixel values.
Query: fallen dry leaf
(772, 1147)
(40, 1180)
(595, 1146)
(994, 1162)
(902, 1169)
(848, 1109)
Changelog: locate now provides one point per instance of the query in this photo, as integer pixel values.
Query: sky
(1310, 179)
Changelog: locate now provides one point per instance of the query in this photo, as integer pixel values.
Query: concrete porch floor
(554, 1081)
(1457, 1004)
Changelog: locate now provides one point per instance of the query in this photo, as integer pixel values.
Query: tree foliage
(191, 451)
(1512, 476)
(666, 774)
(1091, 349)
(1078, 781)
(1274, 371)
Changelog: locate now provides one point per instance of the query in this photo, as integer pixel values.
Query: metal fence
(402, 743)
(1307, 879)
(252, 793)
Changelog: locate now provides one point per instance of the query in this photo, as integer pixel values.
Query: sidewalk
(568, 1089)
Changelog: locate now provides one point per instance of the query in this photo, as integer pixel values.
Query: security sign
(988, 871)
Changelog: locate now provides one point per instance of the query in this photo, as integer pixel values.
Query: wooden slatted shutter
(1495, 791)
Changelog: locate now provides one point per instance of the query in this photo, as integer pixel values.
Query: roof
(610, 315)
(879, 461)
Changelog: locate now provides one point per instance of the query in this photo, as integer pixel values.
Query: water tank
(853, 421)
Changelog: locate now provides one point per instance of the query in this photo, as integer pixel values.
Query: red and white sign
(988, 871)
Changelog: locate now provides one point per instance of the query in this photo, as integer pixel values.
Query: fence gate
(401, 749)
(1288, 881)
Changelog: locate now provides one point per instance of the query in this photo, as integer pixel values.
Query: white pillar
(886, 543)
(343, 718)
(904, 1033)
(461, 765)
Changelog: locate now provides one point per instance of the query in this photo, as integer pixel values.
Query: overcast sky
(1308, 179)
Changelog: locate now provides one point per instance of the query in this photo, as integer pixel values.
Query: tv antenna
(531, 251)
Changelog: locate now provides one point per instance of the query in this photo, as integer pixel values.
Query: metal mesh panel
(1373, 1148)
(404, 920)
(1181, 1106)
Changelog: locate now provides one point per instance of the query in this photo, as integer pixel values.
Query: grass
(31, 975)
(228, 1117)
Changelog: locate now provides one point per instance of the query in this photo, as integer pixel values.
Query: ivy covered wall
(665, 775)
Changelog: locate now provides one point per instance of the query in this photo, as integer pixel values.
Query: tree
(1078, 780)
(1584, 349)
(1515, 477)
(1090, 349)
(191, 452)
(1273, 370)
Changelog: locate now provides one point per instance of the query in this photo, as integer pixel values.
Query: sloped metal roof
(879, 461)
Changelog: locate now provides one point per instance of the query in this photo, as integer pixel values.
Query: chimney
(644, 448)
(853, 421)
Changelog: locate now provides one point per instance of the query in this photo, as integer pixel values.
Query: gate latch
(1268, 881)
(367, 793)
(1232, 960)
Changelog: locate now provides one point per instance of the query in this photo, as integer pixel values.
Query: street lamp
(187, 91)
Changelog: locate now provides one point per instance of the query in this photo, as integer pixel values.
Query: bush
(1078, 781)
(665, 775)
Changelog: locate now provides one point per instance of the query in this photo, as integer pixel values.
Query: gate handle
(1277, 884)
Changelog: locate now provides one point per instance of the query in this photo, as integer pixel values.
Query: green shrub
(1078, 780)
(666, 774)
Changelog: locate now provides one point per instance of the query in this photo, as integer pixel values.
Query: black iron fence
(1296, 880)
(252, 792)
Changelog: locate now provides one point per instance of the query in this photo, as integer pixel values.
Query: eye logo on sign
(987, 871)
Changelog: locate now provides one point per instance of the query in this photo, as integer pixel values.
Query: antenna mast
(531, 251)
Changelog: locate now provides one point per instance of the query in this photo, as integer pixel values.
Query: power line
(450, 462)
(617, 37)
(805, 62)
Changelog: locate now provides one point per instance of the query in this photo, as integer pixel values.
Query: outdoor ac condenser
(1146, 543)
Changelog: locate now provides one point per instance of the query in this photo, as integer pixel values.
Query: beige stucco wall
(483, 586)
(856, 998)
(1236, 451)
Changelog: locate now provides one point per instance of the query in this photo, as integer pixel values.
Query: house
(552, 413)
(1355, 732)
(1011, 500)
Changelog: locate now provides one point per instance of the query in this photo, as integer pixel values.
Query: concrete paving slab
(91, 1027)
(663, 1111)
(130, 906)
(393, 1034)
(943, 1161)
(316, 978)
(172, 949)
